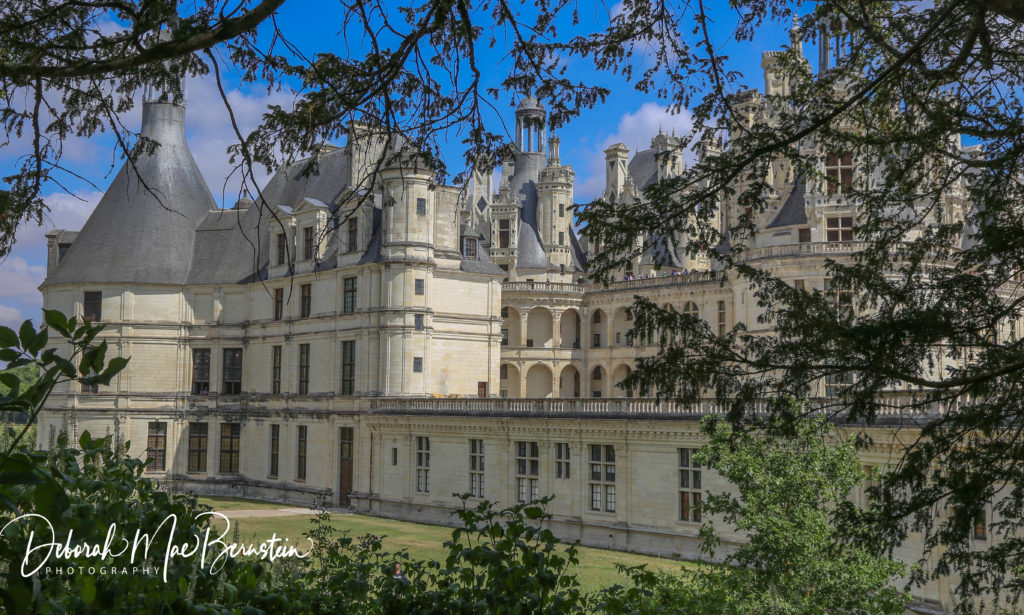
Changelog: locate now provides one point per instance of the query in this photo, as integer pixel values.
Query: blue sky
(628, 116)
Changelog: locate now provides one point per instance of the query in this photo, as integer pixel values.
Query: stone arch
(598, 326)
(620, 374)
(539, 327)
(622, 322)
(511, 325)
(691, 308)
(538, 381)
(570, 382)
(571, 329)
(598, 384)
(509, 380)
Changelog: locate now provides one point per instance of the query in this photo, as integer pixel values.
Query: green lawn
(596, 568)
(228, 504)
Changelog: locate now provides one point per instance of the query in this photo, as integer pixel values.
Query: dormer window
(503, 233)
(308, 243)
(469, 247)
(282, 248)
(353, 234)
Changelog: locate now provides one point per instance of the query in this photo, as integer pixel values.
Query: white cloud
(10, 317)
(635, 130)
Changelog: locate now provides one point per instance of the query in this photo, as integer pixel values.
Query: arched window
(596, 374)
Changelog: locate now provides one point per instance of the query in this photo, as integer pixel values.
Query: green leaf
(57, 320)
(38, 342)
(8, 354)
(88, 590)
(27, 333)
(8, 338)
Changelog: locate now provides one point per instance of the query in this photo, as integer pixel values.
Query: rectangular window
(156, 446)
(306, 303)
(839, 173)
(596, 341)
(394, 456)
(348, 368)
(562, 460)
(232, 371)
(602, 477)
(504, 311)
(198, 442)
(282, 248)
(200, 371)
(689, 486)
(561, 238)
(90, 388)
(308, 243)
(422, 464)
(799, 285)
(300, 457)
(346, 439)
(527, 471)
(353, 234)
(278, 303)
(980, 527)
(349, 304)
(417, 365)
(418, 286)
(476, 468)
(504, 337)
(230, 443)
(804, 235)
(275, 371)
(469, 248)
(841, 299)
(839, 229)
(503, 233)
(503, 371)
(418, 321)
(561, 210)
(721, 319)
(303, 369)
(421, 207)
(275, 450)
(835, 383)
(92, 306)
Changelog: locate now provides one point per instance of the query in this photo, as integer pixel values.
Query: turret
(530, 126)
(615, 170)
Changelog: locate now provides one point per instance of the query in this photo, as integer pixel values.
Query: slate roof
(144, 231)
(792, 211)
(530, 252)
(643, 168)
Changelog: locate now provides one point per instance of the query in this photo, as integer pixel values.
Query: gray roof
(660, 250)
(143, 228)
(530, 251)
(643, 168)
(481, 264)
(792, 211)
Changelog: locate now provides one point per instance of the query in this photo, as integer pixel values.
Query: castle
(394, 342)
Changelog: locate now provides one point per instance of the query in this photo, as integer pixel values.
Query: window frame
(527, 471)
(303, 369)
(350, 289)
(476, 467)
(92, 305)
(234, 385)
(198, 446)
(422, 461)
(348, 367)
(156, 447)
(689, 485)
(301, 451)
(230, 448)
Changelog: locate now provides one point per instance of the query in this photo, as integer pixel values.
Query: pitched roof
(792, 211)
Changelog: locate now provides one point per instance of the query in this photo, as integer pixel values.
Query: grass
(596, 568)
(224, 504)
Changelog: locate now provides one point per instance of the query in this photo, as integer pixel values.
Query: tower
(554, 212)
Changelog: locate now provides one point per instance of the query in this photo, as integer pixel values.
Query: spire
(796, 35)
(553, 160)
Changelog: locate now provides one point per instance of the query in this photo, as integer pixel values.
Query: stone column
(556, 329)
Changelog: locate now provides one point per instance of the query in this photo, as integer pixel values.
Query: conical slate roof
(143, 229)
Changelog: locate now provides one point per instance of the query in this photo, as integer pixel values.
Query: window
(300, 455)
(839, 229)
(503, 233)
(418, 286)
(602, 477)
(504, 312)
(308, 243)
(503, 372)
(198, 442)
(421, 207)
(469, 248)
(156, 446)
(346, 438)
(303, 369)
(282, 248)
(278, 303)
(353, 234)
(92, 306)
(562, 460)
(275, 371)
(394, 456)
(504, 337)
(689, 486)
(561, 239)
(799, 284)
(804, 235)
(232, 371)
(200, 371)
(561, 210)
(596, 342)
(418, 321)
(721, 319)
(306, 302)
(597, 317)
(230, 441)
(839, 173)
(835, 383)
(348, 368)
(476, 468)
(349, 304)
(422, 464)
(275, 449)
(417, 365)
(980, 527)
(841, 298)
(527, 471)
